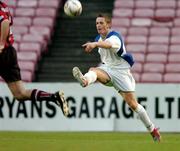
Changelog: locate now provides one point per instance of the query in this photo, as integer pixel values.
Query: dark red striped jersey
(5, 14)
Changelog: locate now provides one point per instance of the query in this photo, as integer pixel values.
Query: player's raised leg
(22, 94)
(79, 76)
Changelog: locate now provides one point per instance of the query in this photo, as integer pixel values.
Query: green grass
(86, 141)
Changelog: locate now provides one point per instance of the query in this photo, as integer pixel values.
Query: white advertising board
(95, 108)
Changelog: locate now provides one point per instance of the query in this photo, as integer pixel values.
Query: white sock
(91, 77)
(144, 117)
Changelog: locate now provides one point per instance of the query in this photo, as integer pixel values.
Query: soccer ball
(73, 8)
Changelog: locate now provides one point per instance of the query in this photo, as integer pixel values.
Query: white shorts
(121, 79)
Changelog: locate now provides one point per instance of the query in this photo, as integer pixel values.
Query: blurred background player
(115, 69)
(10, 71)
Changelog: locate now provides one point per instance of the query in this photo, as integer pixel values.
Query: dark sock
(38, 95)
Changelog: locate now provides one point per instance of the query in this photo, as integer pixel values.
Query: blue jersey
(117, 55)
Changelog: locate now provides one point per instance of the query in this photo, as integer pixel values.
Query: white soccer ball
(73, 8)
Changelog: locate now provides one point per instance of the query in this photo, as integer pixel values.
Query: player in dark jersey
(10, 71)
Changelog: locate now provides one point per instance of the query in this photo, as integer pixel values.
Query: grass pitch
(86, 141)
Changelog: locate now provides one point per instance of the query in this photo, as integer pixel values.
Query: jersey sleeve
(3, 16)
(115, 42)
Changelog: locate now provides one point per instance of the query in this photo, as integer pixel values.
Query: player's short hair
(106, 16)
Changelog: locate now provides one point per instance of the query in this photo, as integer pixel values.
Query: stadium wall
(96, 108)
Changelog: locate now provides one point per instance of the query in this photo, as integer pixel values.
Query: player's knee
(132, 104)
(20, 96)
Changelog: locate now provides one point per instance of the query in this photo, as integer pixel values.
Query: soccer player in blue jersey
(115, 69)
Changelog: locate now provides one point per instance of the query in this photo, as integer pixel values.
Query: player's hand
(89, 46)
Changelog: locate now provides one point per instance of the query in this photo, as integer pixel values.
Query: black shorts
(9, 68)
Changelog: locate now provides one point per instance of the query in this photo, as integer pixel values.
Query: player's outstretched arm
(89, 46)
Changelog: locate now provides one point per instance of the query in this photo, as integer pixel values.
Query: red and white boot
(156, 135)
